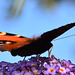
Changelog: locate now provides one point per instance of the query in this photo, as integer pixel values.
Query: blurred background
(31, 18)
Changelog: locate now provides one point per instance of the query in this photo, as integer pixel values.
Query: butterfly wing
(57, 32)
(42, 44)
(10, 41)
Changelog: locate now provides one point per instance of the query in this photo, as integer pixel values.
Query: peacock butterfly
(23, 46)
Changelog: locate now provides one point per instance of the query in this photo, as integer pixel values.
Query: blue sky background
(35, 20)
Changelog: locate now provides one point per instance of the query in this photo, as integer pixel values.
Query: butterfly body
(36, 47)
(23, 46)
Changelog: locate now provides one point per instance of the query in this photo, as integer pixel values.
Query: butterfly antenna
(64, 37)
(24, 58)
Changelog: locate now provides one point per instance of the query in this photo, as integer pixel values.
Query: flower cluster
(38, 66)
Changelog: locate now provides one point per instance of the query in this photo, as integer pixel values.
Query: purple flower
(50, 69)
(3, 63)
(71, 73)
(54, 61)
(35, 71)
(44, 66)
(1, 73)
(15, 73)
(63, 70)
(68, 63)
(0, 67)
(24, 69)
(28, 73)
(32, 64)
(22, 72)
(73, 69)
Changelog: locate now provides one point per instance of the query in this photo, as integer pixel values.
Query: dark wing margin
(57, 32)
(10, 34)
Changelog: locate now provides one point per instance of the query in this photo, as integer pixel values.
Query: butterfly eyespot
(8, 42)
(1, 42)
(2, 33)
(17, 36)
(4, 42)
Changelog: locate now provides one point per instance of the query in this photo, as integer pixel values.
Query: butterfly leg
(24, 58)
(38, 57)
(49, 52)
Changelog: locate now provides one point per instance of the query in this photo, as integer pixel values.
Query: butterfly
(23, 46)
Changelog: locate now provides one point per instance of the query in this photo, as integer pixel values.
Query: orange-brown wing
(10, 41)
